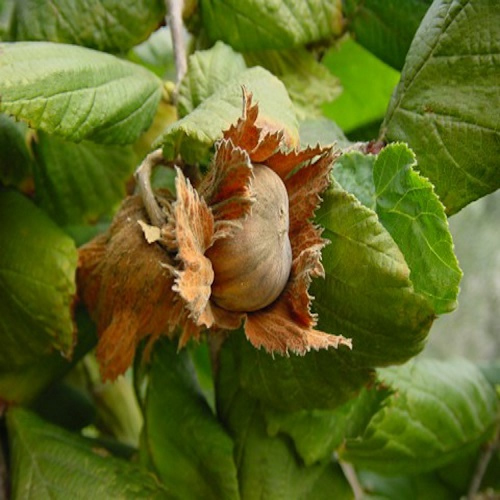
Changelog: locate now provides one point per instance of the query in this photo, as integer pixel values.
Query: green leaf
(412, 487)
(385, 27)
(321, 380)
(359, 104)
(23, 383)
(367, 294)
(15, 158)
(267, 466)
(316, 434)
(77, 93)
(182, 439)
(50, 462)
(443, 107)
(7, 9)
(107, 25)
(409, 209)
(309, 83)
(37, 283)
(194, 135)
(77, 183)
(321, 131)
(156, 54)
(354, 172)
(439, 412)
(260, 24)
(208, 71)
(411, 212)
(331, 483)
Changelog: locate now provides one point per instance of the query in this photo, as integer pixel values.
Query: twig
(174, 21)
(143, 178)
(352, 479)
(482, 465)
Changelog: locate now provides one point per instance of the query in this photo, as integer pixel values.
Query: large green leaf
(260, 24)
(50, 462)
(268, 467)
(385, 27)
(78, 183)
(194, 135)
(367, 294)
(37, 283)
(309, 83)
(77, 93)
(409, 209)
(208, 71)
(108, 25)
(444, 105)
(15, 157)
(439, 412)
(182, 439)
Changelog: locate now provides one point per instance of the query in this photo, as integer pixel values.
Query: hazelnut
(252, 267)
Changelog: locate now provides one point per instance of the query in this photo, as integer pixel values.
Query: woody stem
(174, 20)
(143, 178)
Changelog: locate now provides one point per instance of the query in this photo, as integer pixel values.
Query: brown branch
(174, 21)
(143, 178)
(352, 479)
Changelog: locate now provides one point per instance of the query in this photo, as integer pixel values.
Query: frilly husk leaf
(127, 286)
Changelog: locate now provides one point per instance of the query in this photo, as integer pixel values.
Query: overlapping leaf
(443, 105)
(410, 487)
(321, 131)
(194, 135)
(15, 158)
(409, 209)
(156, 54)
(386, 27)
(182, 439)
(49, 462)
(367, 294)
(108, 25)
(308, 82)
(323, 379)
(77, 183)
(257, 24)
(208, 71)
(440, 411)
(316, 434)
(267, 466)
(77, 93)
(37, 283)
